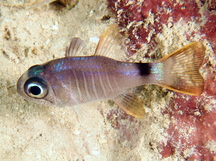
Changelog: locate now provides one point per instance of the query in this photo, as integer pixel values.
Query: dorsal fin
(111, 44)
(76, 47)
(131, 103)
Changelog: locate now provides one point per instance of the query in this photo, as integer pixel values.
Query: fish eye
(36, 88)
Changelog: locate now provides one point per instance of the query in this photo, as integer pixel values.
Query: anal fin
(131, 103)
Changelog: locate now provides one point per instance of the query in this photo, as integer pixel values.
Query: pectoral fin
(131, 103)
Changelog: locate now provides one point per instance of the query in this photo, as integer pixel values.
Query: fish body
(77, 80)
(74, 80)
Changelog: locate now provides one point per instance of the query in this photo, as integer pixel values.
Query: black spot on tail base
(144, 68)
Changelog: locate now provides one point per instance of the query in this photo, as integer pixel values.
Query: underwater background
(176, 126)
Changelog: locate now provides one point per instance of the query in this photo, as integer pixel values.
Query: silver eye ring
(36, 88)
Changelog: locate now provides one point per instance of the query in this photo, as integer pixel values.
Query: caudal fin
(179, 71)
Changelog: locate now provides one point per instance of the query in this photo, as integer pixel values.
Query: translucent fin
(76, 47)
(82, 113)
(179, 71)
(131, 103)
(86, 112)
(111, 44)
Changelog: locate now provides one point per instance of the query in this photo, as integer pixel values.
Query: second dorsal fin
(76, 47)
(111, 44)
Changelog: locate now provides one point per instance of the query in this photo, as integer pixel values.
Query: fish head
(32, 85)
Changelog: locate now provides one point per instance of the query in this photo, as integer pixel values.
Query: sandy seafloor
(29, 131)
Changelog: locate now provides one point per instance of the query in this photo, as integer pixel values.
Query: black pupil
(35, 90)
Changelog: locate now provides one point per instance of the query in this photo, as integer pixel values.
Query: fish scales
(91, 78)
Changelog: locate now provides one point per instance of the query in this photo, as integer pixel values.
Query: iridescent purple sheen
(77, 80)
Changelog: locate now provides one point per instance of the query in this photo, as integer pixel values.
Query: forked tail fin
(179, 71)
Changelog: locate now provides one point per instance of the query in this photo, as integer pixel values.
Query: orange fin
(111, 44)
(179, 71)
(131, 103)
(76, 47)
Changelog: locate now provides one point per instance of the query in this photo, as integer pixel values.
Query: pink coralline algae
(192, 130)
(129, 14)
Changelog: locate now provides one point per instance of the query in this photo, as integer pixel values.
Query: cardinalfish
(75, 80)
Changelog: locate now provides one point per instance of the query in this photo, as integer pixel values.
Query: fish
(75, 80)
